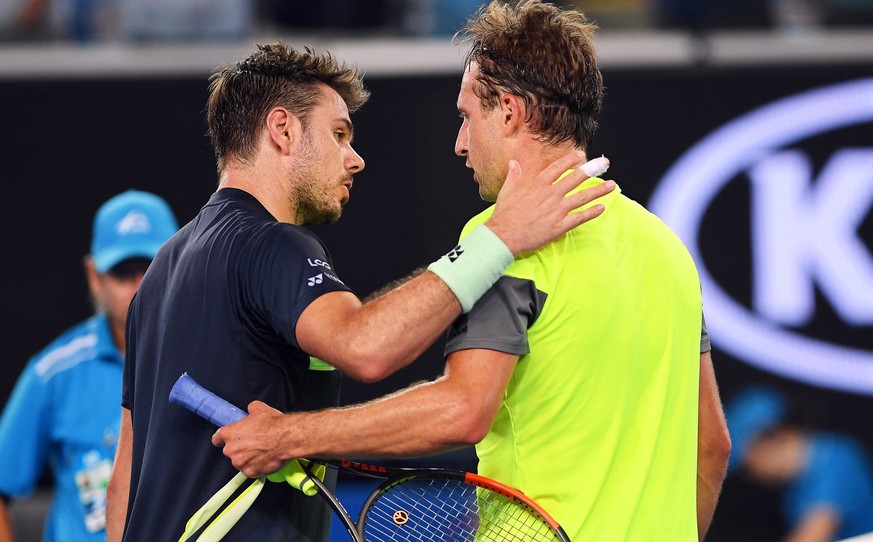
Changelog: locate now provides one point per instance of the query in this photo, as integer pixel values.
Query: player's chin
(330, 218)
(326, 215)
(487, 193)
(337, 211)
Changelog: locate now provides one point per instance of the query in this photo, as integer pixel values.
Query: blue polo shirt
(64, 410)
(838, 476)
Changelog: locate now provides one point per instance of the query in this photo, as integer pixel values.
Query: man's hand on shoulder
(530, 213)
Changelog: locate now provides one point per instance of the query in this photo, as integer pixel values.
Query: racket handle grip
(188, 393)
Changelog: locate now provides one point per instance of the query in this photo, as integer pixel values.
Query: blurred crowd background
(217, 20)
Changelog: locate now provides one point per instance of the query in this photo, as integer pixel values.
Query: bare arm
(368, 341)
(5, 522)
(713, 446)
(371, 340)
(818, 525)
(453, 411)
(118, 490)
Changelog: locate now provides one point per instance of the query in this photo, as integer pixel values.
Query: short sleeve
(287, 268)
(128, 372)
(24, 434)
(705, 345)
(500, 319)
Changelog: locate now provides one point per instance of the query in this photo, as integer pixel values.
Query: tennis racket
(412, 504)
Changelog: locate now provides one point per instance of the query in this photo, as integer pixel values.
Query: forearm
(267, 439)
(456, 410)
(708, 492)
(426, 419)
(391, 330)
(116, 506)
(118, 490)
(818, 525)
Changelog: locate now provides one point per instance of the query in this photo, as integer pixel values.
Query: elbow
(370, 361)
(474, 434)
(468, 423)
(366, 364)
(722, 446)
(716, 450)
(368, 372)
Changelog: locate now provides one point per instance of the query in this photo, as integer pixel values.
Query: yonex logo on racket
(807, 216)
(401, 517)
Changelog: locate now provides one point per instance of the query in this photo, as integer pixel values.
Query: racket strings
(450, 510)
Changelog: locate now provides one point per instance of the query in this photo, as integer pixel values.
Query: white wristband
(473, 266)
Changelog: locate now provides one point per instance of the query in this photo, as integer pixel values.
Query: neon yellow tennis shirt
(599, 421)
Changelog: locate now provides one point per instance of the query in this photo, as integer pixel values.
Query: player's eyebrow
(350, 128)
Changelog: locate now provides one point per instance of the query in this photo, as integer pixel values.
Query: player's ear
(512, 112)
(284, 129)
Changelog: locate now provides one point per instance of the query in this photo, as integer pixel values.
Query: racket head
(453, 506)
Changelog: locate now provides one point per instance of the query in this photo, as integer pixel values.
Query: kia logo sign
(804, 228)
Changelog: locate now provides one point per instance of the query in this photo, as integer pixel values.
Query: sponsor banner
(807, 251)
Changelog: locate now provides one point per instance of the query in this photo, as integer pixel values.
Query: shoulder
(236, 227)
(76, 345)
(292, 233)
(279, 242)
(480, 218)
(287, 257)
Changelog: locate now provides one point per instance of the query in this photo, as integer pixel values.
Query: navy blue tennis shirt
(221, 302)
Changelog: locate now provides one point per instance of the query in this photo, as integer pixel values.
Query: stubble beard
(313, 206)
(311, 200)
(486, 194)
(488, 188)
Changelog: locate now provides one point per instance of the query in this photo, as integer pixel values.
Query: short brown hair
(544, 55)
(275, 75)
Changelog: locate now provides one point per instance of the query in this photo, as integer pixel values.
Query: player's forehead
(330, 105)
(466, 96)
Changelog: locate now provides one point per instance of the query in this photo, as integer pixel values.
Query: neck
(535, 156)
(263, 187)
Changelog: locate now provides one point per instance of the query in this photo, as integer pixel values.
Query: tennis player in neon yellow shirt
(598, 419)
(583, 376)
(598, 422)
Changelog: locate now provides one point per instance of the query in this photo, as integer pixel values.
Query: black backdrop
(69, 144)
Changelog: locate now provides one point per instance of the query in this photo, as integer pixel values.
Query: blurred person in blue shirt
(825, 479)
(65, 410)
